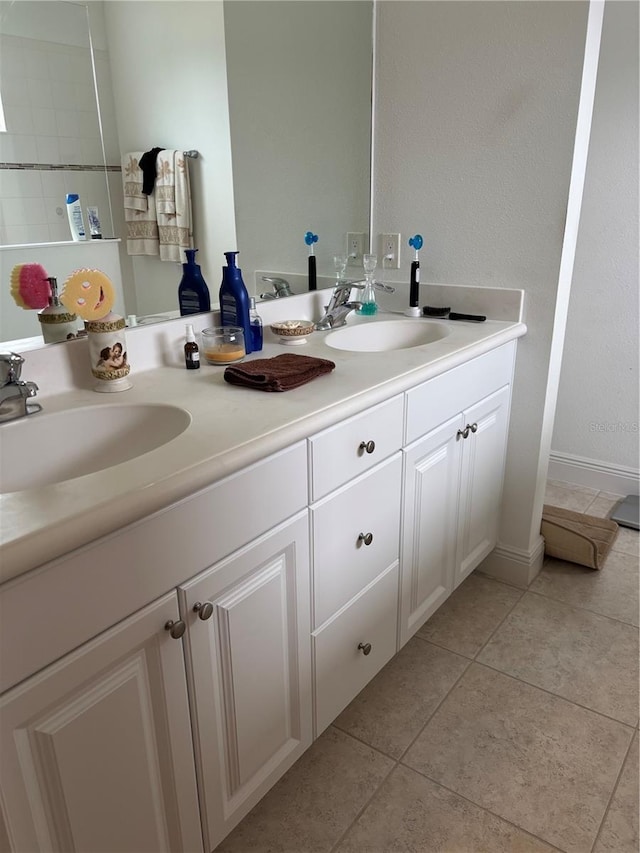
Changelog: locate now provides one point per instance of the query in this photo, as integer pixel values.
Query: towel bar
(191, 153)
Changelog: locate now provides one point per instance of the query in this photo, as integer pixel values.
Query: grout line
(437, 708)
(396, 761)
(368, 802)
(582, 607)
(501, 623)
(630, 726)
(613, 792)
(485, 809)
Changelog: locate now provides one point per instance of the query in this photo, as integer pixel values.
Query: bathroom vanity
(221, 599)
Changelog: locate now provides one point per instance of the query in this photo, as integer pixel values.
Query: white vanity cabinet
(249, 672)
(277, 594)
(96, 748)
(453, 478)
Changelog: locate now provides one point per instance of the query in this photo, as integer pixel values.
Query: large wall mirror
(275, 95)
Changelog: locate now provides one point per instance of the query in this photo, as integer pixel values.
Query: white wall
(476, 120)
(300, 101)
(170, 89)
(598, 395)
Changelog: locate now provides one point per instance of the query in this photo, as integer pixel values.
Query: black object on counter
(448, 314)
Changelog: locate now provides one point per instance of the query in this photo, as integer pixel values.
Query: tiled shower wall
(53, 135)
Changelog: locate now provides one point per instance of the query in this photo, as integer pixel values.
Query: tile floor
(508, 724)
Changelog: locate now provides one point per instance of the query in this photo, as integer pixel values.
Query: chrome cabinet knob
(365, 648)
(367, 446)
(464, 433)
(204, 611)
(367, 538)
(176, 629)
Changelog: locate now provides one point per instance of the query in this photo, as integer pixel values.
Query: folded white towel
(139, 209)
(173, 205)
(134, 198)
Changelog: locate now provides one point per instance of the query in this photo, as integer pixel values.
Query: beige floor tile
(569, 496)
(410, 814)
(627, 541)
(532, 758)
(582, 656)
(603, 504)
(391, 710)
(619, 833)
(315, 802)
(612, 591)
(470, 615)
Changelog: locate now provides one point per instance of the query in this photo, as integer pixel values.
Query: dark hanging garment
(148, 165)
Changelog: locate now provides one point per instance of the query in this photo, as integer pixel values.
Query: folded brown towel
(576, 537)
(280, 373)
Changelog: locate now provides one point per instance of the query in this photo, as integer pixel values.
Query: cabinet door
(96, 749)
(431, 483)
(249, 672)
(483, 458)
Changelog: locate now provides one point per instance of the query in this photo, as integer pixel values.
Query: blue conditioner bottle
(234, 299)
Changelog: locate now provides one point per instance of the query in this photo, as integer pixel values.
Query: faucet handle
(10, 367)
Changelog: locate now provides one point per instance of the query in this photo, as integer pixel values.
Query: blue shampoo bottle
(234, 299)
(193, 293)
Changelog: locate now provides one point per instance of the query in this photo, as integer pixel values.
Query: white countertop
(231, 428)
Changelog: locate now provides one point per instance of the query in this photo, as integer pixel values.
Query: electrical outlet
(355, 248)
(390, 251)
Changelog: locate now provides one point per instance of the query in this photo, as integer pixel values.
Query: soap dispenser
(234, 299)
(58, 324)
(193, 293)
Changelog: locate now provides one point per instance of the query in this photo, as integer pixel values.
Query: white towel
(139, 209)
(134, 198)
(173, 205)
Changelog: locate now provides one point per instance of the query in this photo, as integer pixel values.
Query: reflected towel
(173, 205)
(280, 373)
(139, 209)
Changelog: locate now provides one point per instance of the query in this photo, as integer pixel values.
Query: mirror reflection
(274, 96)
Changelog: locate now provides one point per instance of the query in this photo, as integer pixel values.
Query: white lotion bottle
(76, 222)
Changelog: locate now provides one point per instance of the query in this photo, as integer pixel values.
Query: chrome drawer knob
(204, 611)
(473, 427)
(462, 433)
(367, 446)
(365, 648)
(175, 629)
(367, 538)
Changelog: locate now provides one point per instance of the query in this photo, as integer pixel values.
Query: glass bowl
(222, 344)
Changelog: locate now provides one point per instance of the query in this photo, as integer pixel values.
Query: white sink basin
(48, 448)
(383, 335)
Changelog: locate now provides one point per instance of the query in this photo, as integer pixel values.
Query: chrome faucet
(14, 393)
(335, 313)
(281, 288)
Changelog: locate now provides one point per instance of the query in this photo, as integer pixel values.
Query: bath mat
(576, 537)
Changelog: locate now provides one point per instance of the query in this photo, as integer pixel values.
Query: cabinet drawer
(341, 668)
(338, 454)
(343, 563)
(435, 401)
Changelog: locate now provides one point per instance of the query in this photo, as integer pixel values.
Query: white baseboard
(514, 565)
(603, 476)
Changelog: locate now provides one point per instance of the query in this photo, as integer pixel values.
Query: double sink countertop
(231, 427)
